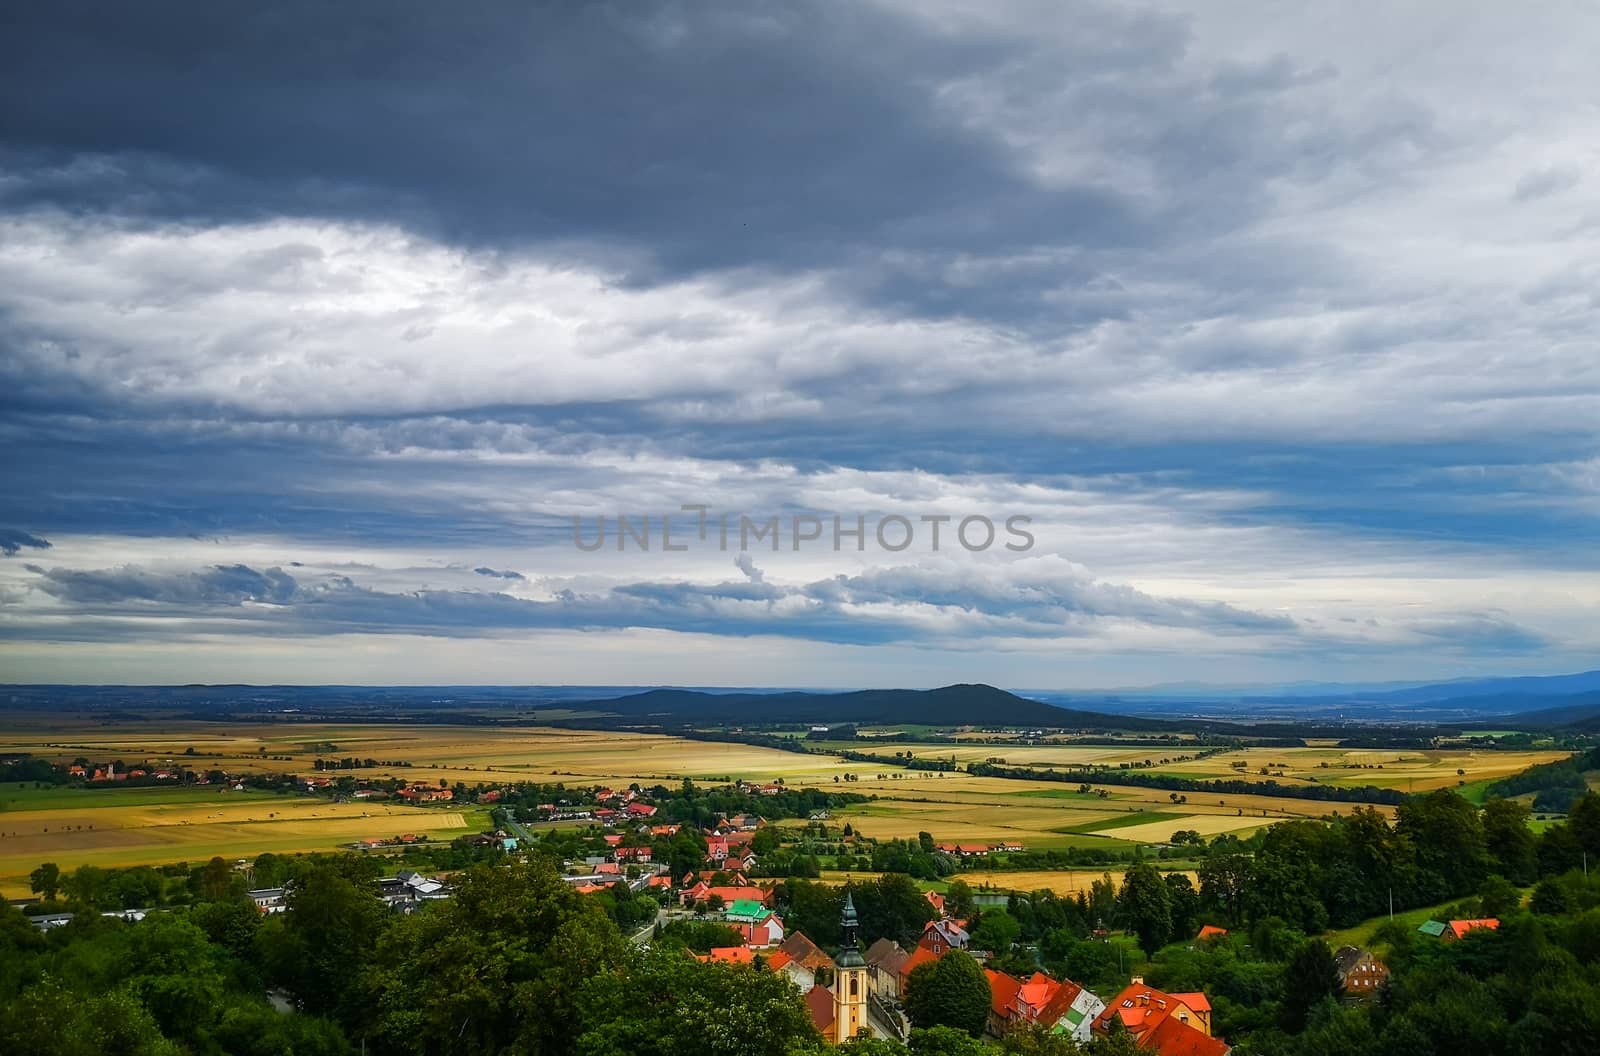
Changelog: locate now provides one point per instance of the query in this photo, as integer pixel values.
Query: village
(861, 990)
(725, 873)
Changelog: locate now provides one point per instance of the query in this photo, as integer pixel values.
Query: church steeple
(850, 949)
(850, 980)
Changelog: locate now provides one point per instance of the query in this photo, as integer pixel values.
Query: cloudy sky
(319, 324)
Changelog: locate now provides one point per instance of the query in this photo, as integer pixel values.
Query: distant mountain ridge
(957, 705)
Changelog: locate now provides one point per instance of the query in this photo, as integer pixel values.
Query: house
(919, 956)
(632, 854)
(802, 977)
(640, 810)
(1457, 928)
(1002, 996)
(803, 952)
(819, 1002)
(1162, 1023)
(1071, 1011)
(1361, 974)
(943, 935)
(963, 850)
(1061, 1005)
(613, 839)
(936, 900)
(1433, 928)
(269, 899)
(664, 830)
(745, 911)
(768, 931)
(360, 793)
(704, 892)
(75, 770)
(1209, 932)
(491, 796)
(884, 960)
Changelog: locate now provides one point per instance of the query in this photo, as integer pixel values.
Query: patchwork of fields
(121, 826)
(131, 826)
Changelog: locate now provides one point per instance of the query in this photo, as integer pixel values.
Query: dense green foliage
(950, 992)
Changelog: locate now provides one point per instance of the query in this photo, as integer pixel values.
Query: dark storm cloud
(498, 573)
(218, 585)
(890, 605)
(12, 540)
(714, 134)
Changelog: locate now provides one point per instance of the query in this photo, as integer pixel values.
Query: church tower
(850, 981)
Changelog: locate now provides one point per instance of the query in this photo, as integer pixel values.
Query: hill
(957, 705)
(1579, 712)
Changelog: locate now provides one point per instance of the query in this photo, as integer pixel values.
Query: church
(843, 1012)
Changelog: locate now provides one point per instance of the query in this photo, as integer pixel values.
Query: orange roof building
(1457, 928)
(1163, 1023)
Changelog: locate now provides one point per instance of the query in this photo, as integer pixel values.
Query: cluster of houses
(109, 772)
(869, 994)
(1452, 930)
(978, 850)
(615, 807)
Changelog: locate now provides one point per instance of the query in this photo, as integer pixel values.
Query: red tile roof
(919, 956)
(1173, 1038)
(730, 955)
(1148, 1014)
(1461, 927)
(819, 1002)
(1003, 992)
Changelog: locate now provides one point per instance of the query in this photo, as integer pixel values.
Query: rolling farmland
(122, 826)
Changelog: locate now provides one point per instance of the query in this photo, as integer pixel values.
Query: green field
(1126, 821)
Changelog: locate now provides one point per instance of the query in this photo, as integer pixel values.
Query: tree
(1225, 881)
(950, 992)
(958, 900)
(996, 930)
(663, 1003)
(1038, 1040)
(1146, 907)
(215, 879)
(320, 946)
(496, 968)
(945, 1041)
(48, 1020)
(1185, 904)
(1509, 840)
(45, 881)
(1498, 896)
(1310, 977)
